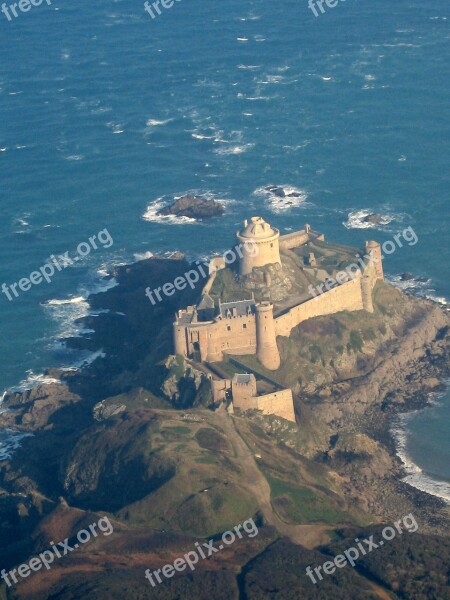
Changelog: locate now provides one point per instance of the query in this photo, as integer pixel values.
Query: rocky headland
(132, 436)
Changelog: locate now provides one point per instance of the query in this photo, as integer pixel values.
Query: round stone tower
(266, 340)
(373, 249)
(179, 338)
(260, 245)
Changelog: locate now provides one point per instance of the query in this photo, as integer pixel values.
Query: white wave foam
(75, 300)
(249, 67)
(233, 149)
(272, 79)
(415, 476)
(22, 222)
(151, 214)
(154, 207)
(143, 255)
(74, 157)
(33, 380)
(276, 202)
(418, 286)
(199, 136)
(86, 359)
(10, 442)
(157, 123)
(67, 311)
(356, 220)
(254, 98)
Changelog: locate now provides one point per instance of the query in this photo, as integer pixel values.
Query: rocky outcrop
(395, 370)
(194, 207)
(184, 385)
(374, 219)
(33, 409)
(279, 191)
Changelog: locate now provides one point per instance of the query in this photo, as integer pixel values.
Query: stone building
(207, 333)
(265, 244)
(241, 393)
(241, 327)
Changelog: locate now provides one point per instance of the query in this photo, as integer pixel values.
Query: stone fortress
(292, 285)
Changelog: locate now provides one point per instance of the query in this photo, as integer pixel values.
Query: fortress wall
(347, 296)
(235, 336)
(208, 285)
(279, 403)
(292, 240)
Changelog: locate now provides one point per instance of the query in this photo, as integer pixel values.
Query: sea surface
(106, 114)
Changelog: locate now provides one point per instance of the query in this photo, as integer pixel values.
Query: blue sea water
(105, 113)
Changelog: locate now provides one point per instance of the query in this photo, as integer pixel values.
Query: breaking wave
(357, 220)
(282, 198)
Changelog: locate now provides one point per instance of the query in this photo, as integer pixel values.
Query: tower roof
(257, 228)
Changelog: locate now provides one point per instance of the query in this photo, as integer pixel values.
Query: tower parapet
(260, 245)
(266, 340)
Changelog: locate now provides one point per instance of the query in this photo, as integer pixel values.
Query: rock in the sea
(276, 190)
(374, 219)
(407, 276)
(194, 207)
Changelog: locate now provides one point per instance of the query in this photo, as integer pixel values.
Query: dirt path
(381, 592)
(254, 481)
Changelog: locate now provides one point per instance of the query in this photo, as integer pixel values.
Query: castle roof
(257, 228)
(243, 378)
(239, 308)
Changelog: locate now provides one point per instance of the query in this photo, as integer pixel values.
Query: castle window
(229, 327)
(271, 245)
(244, 326)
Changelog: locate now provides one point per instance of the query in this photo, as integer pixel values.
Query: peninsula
(265, 391)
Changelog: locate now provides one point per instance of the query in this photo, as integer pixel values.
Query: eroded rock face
(185, 386)
(194, 207)
(33, 409)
